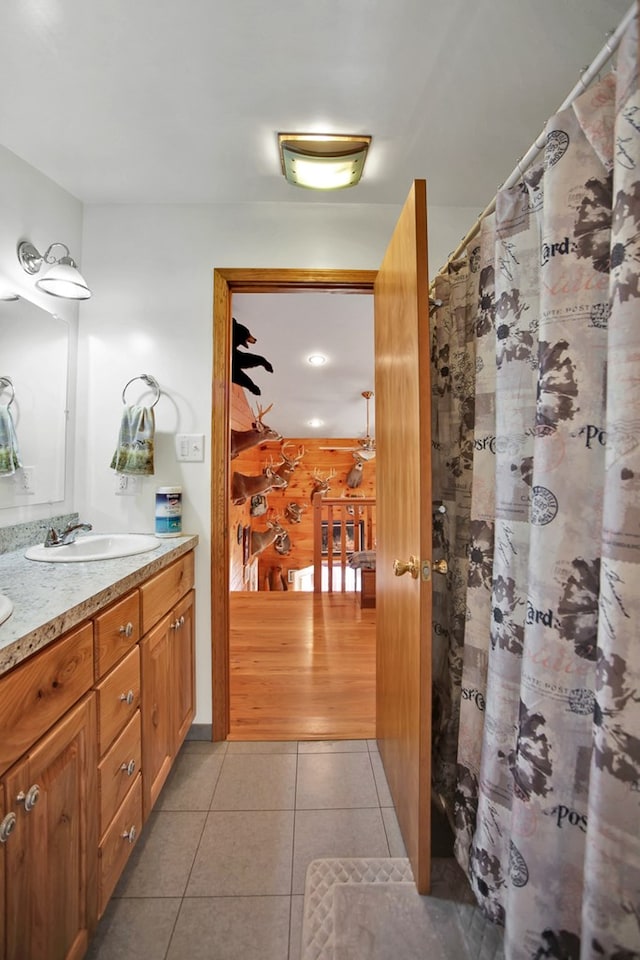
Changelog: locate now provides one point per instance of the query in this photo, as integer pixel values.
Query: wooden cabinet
(89, 729)
(50, 859)
(368, 588)
(168, 669)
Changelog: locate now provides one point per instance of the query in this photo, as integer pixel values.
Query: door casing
(226, 282)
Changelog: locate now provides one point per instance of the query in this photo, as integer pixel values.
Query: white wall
(34, 208)
(150, 269)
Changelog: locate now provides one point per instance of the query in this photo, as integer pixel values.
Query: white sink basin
(98, 546)
(6, 608)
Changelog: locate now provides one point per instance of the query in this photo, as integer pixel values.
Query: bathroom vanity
(96, 697)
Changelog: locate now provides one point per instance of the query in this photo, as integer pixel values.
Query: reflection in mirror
(34, 351)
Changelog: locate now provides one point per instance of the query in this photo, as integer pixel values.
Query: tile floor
(219, 871)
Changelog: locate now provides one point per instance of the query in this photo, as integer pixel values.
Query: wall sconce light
(62, 279)
(322, 161)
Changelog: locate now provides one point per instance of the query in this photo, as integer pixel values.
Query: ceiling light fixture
(316, 359)
(316, 423)
(323, 161)
(62, 279)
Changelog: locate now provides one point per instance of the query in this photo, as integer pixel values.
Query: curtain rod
(586, 76)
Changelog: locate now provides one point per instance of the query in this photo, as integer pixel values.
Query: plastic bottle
(168, 511)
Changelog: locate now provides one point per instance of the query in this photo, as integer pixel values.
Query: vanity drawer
(118, 769)
(118, 842)
(163, 591)
(118, 698)
(37, 693)
(116, 631)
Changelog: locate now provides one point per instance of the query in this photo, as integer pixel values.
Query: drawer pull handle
(127, 630)
(7, 827)
(129, 768)
(130, 835)
(128, 697)
(30, 798)
(178, 623)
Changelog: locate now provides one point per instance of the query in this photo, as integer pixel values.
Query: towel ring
(150, 382)
(6, 383)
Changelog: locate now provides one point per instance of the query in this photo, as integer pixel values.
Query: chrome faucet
(68, 535)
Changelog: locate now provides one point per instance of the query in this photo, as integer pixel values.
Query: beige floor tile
(135, 929)
(392, 829)
(262, 746)
(232, 928)
(191, 783)
(295, 927)
(384, 795)
(332, 746)
(204, 746)
(256, 783)
(335, 833)
(335, 780)
(244, 854)
(163, 856)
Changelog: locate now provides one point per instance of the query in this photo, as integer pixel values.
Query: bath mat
(368, 909)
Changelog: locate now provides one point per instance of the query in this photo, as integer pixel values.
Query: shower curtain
(536, 407)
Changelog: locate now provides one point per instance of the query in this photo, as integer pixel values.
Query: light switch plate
(190, 447)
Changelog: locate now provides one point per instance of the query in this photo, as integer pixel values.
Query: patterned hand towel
(134, 453)
(9, 455)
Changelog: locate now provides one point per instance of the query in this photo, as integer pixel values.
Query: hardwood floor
(302, 667)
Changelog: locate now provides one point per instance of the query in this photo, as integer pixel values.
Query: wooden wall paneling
(299, 490)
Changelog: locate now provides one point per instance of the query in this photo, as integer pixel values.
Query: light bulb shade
(323, 161)
(61, 279)
(64, 280)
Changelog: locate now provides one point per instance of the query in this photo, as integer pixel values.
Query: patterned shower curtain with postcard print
(547, 788)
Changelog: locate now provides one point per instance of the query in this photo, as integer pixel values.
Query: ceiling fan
(366, 448)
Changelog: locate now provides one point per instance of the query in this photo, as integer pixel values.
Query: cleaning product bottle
(168, 511)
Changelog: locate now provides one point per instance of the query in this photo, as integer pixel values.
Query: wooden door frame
(226, 282)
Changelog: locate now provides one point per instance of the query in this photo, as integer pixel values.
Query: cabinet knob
(127, 629)
(178, 623)
(30, 798)
(7, 827)
(129, 768)
(130, 834)
(128, 697)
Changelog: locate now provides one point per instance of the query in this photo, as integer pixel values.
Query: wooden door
(403, 436)
(51, 856)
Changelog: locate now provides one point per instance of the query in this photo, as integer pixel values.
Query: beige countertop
(51, 598)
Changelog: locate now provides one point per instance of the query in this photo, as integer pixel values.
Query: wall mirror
(34, 354)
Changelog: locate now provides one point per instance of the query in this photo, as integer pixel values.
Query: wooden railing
(341, 526)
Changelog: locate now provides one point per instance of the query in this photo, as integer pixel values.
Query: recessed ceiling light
(322, 161)
(316, 359)
(315, 422)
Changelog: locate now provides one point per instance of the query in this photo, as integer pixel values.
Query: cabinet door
(51, 856)
(183, 672)
(3, 811)
(157, 710)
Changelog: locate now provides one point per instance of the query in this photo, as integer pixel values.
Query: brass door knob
(400, 567)
(440, 566)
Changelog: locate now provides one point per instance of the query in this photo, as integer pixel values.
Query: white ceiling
(145, 101)
(289, 328)
(157, 101)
